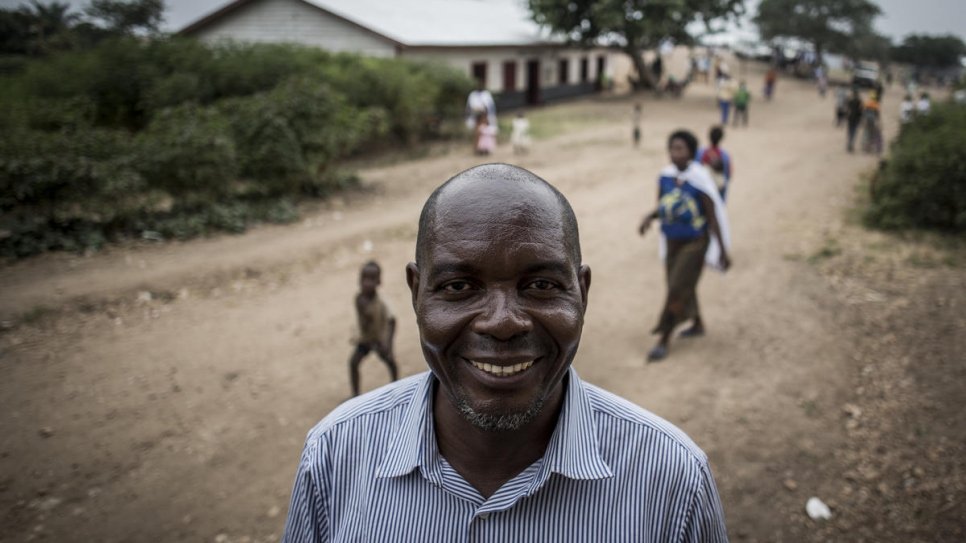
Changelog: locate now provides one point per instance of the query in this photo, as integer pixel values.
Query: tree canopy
(931, 51)
(826, 24)
(40, 28)
(630, 25)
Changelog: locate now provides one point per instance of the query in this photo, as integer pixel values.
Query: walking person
(742, 99)
(716, 160)
(726, 95)
(872, 127)
(907, 109)
(636, 124)
(485, 135)
(924, 105)
(841, 99)
(853, 116)
(821, 80)
(694, 230)
(771, 76)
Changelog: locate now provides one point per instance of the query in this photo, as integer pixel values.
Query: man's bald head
(498, 186)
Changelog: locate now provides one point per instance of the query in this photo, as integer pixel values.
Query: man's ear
(412, 279)
(583, 279)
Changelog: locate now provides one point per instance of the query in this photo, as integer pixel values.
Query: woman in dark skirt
(694, 232)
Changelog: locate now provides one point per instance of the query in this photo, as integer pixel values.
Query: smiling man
(501, 440)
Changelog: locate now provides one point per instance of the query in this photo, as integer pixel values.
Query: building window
(584, 70)
(479, 73)
(563, 71)
(509, 76)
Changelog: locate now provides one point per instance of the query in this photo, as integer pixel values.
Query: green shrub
(189, 153)
(923, 184)
(173, 138)
(290, 137)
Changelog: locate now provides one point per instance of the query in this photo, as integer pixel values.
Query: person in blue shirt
(694, 230)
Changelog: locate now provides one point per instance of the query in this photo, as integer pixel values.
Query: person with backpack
(716, 160)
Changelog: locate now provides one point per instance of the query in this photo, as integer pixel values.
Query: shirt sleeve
(308, 520)
(705, 523)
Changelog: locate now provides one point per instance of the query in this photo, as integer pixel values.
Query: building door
(601, 70)
(533, 82)
(509, 76)
(479, 73)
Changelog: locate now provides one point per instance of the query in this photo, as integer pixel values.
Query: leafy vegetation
(170, 138)
(923, 185)
(634, 25)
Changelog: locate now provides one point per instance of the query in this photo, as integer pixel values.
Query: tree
(37, 28)
(826, 24)
(630, 25)
(930, 51)
(127, 17)
(869, 45)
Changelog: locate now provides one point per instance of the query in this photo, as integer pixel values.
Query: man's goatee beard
(500, 423)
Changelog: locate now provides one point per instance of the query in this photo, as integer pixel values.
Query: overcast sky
(900, 17)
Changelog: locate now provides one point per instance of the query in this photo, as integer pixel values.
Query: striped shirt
(371, 471)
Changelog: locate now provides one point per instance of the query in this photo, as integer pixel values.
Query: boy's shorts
(362, 349)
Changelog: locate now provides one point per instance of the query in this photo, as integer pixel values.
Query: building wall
(549, 57)
(292, 21)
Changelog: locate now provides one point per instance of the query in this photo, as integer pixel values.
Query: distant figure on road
(480, 101)
(771, 76)
(485, 135)
(717, 160)
(694, 228)
(853, 116)
(841, 100)
(520, 134)
(636, 124)
(924, 105)
(821, 80)
(726, 94)
(872, 124)
(376, 325)
(907, 109)
(742, 99)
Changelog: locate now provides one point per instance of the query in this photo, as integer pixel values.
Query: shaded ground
(162, 392)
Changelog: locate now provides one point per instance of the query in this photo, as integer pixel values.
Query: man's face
(499, 303)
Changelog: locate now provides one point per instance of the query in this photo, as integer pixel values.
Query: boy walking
(742, 98)
(377, 326)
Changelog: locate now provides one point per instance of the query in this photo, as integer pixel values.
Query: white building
(493, 41)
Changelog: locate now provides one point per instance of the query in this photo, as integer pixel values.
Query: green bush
(189, 153)
(173, 138)
(923, 184)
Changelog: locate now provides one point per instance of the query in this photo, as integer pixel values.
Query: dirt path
(167, 394)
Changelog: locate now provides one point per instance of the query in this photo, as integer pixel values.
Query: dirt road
(163, 393)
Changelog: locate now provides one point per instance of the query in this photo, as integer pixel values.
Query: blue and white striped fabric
(371, 471)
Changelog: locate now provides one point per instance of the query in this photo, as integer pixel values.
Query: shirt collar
(573, 451)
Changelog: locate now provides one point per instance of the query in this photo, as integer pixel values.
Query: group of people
(481, 120)
(501, 440)
(856, 113)
(729, 95)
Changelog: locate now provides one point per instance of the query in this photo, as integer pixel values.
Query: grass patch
(830, 249)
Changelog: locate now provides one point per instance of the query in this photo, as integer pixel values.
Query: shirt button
(484, 516)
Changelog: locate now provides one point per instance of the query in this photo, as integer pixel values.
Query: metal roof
(434, 23)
